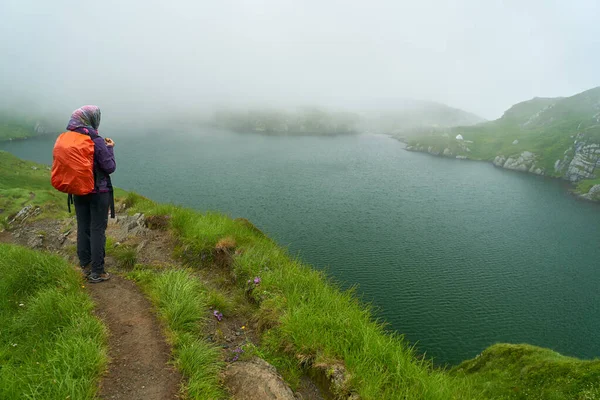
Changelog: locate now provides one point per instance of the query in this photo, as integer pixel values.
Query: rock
(461, 157)
(459, 137)
(34, 168)
(132, 225)
(515, 141)
(584, 163)
(557, 166)
(593, 194)
(524, 162)
(142, 245)
(499, 161)
(36, 241)
(447, 152)
(25, 213)
(256, 380)
(431, 150)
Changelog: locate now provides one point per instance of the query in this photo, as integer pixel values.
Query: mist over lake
(456, 255)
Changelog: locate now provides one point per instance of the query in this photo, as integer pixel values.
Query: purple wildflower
(257, 280)
(238, 351)
(218, 315)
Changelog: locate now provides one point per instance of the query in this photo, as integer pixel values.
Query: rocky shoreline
(579, 162)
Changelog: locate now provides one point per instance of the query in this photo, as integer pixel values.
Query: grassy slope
(51, 347)
(14, 127)
(21, 184)
(508, 371)
(542, 126)
(309, 316)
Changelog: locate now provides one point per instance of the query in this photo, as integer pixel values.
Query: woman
(92, 209)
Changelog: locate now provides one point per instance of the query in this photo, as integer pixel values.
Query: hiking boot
(97, 278)
(86, 270)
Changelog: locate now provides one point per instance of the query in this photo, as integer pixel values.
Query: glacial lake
(456, 255)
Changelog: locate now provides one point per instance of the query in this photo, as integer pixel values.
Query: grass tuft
(51, 347)
(181, 301)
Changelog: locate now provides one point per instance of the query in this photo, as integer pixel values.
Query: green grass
(51, 346)
(23, 183)
(308, 315)
(181, 301)
(584, 187)
(304, 317)
(125, 255)
(506, 371)
(13, 127)
(545, 127)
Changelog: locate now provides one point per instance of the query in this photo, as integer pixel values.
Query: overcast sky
(479, 55)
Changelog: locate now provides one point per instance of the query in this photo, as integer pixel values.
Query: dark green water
(457, 255)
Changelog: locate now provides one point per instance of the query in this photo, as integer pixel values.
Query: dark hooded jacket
(86, 120)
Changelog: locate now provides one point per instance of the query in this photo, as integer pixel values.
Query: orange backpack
(73, 164)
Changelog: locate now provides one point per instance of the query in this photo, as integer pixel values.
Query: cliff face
(580, 161)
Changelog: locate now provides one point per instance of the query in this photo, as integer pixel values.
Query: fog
(141, 58)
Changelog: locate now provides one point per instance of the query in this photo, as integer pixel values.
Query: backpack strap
(69, 202)
(112, 203)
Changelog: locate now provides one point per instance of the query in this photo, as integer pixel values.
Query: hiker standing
(83, 162)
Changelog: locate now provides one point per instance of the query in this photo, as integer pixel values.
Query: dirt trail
(139, 355)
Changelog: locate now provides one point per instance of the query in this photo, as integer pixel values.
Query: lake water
(456, 255)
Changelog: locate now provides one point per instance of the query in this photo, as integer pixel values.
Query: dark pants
(92, 218)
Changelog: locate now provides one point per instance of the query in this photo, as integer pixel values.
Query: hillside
(308, 121)
(556, 137)
(230, 297)
(408, 117)
(411, 118)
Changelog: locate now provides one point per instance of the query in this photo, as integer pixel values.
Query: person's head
(86, 118)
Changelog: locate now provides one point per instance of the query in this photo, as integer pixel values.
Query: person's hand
(109, 142)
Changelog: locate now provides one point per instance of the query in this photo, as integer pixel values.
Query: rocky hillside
(557, 137)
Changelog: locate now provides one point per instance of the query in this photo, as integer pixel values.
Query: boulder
(432, 150)
(593, 194)
(524, 162)
(447, 152)
(515, 141)
(256, 380)
(499, 161)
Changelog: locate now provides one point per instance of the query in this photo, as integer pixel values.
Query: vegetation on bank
(26, 183)
(392, 117)
(12, 127)
(51, 346)
(308, 121)
(507, 371)
(16, 126)
(549, 128)
(306, 319)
